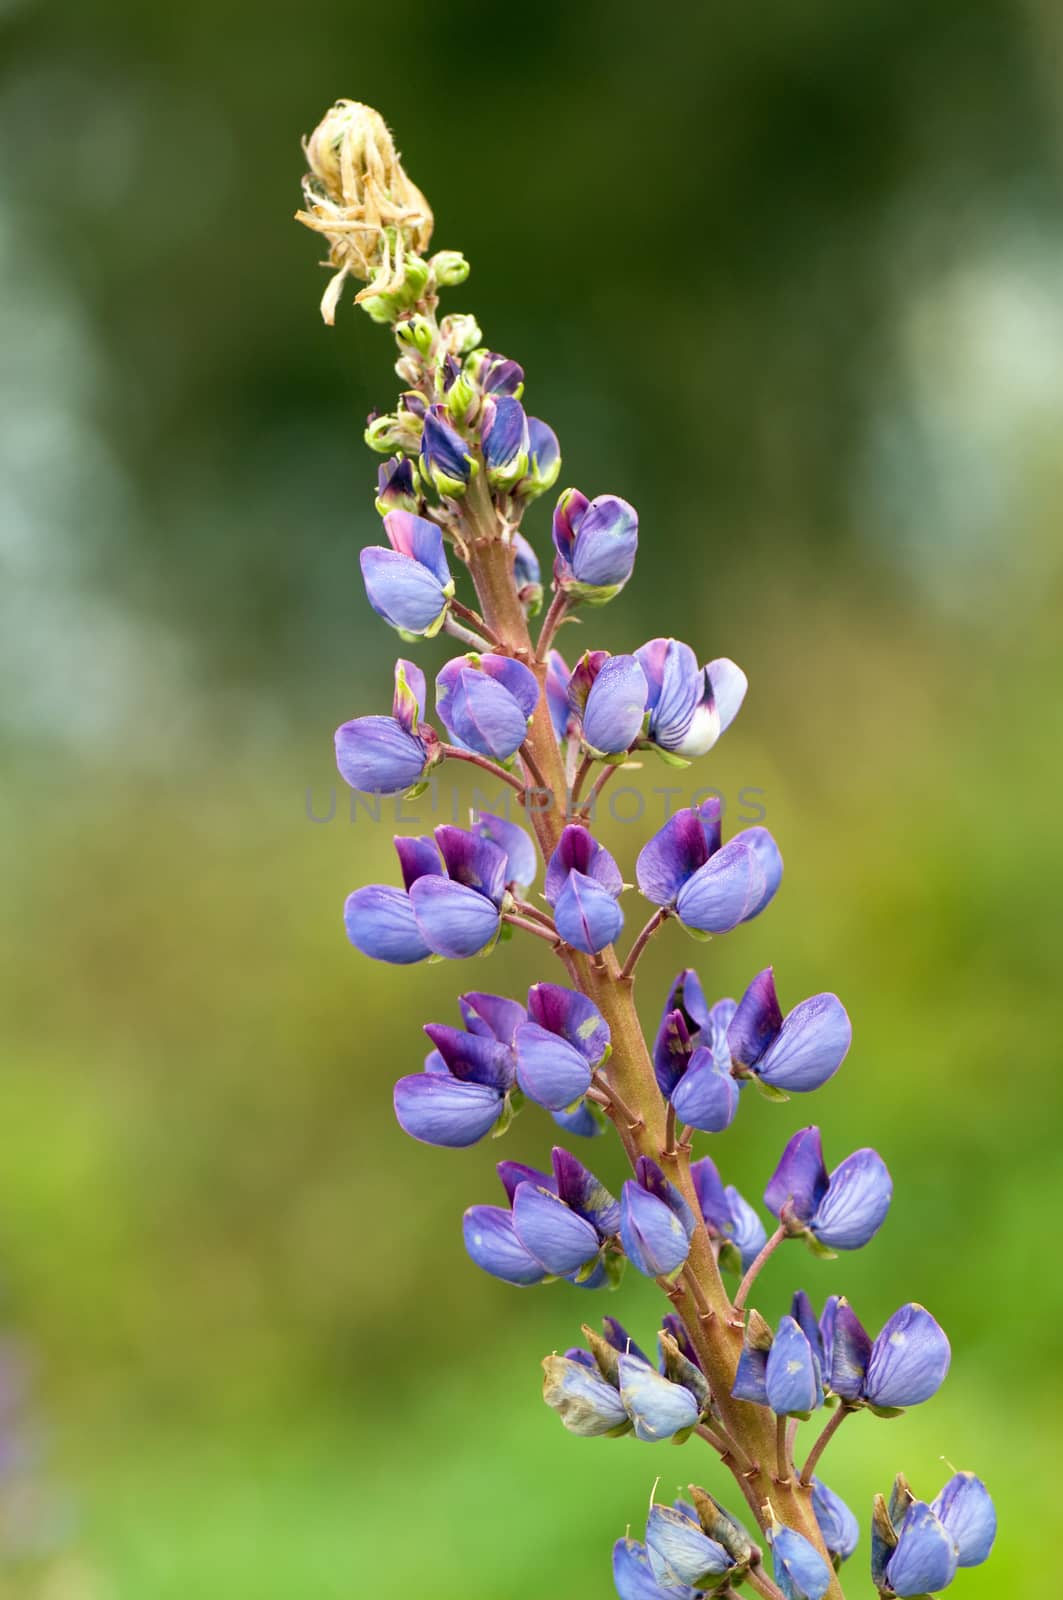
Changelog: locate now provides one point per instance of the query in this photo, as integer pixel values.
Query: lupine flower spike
(462, 462)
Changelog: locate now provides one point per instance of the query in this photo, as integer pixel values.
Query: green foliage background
(788, 278)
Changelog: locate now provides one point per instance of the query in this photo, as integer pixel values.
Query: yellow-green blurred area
(789, 279)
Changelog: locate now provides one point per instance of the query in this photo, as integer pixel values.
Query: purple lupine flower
(445, 459)
(389, 755)
(607, 700)
(465, 1086)
(505, 441)
(559, 1047)
(522, 856)
(486, 701)
(633, 1576)
(410, 585)
(800, 1571)
(904, 1366)
(583, 885)
(842, 1211)
(680, 1553)
(585, 1402)
(556, 1224)
(696, 1077)
(658, 1405)
(711, 887)
(916, 1547)
(596, 541)
(794, 1054)
(380, 920)
(728, 1216)
(781, 1370)
(689, 706)
(656, 1224)
(397, 488)
(840, 1529)
(544, 461)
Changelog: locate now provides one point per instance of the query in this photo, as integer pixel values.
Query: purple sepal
(756, 1022)
(617, 1335)
(588, 917)
(380, 923)
(550, 1071)
(491, 1241)
(909, 1359)
(579, 851)
(658, 1408)
(453, 920)
(966, 1512)
(573, 1016)
(418, 858)
(514, 1173)
(856, 1202)
(840, 1529)
(473, 1057)
(800, 1177)
(925, 1557)
(850, 1351)
(510, 837)
(441, 1110)
(548, 1230)
(633, 1577)
(800, 1571)
(471, 860)
(793, 1379)
(377, 756)
(612, 717)
(706, 1097)
(680, 1553)
(585, 1194)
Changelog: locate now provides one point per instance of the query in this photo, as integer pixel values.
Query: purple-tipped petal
(492, 1243)
(705, 1097)
(794, 1383)
(617, 1335)
(587, 916)
(672, 857)
(585, 1194)
(514, 1173)
(849, 1353)
(438, 1109)
(476, 862)
(510, 837)
(659, 1409)
(573, 1016)
(612, 717)
(492, 1014)
(380, 923)
(856, 1202)
(653, 1237)
(418, 858)
(756, 1022)
(445, 459)
(453, 921)
(553, 1234)
(419, 540)
(800, 1178)
(680, 1552)
(810, 1046)
(550, 1071)
(579, 851)
(504, 438)
(473, 1057)
(377, 756)
(909, 1359)
(966, 1512)
(568, 513)
(925, 1557)
(672, 1051)
(653, 1180)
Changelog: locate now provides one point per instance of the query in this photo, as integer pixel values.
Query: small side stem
(599, 784)
(608, 1097)
(530, 927)
(755, 1267)
(763, 1584)
(534, 768)
(452, 753)
(809, 1468)
(475, 621)
(551, 622)
(656, 921)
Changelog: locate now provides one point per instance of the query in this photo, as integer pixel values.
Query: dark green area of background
(785, 276)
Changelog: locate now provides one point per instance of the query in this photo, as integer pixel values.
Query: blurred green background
(787, 277)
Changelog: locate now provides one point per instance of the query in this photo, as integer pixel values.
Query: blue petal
(726, 891)
(607, 537)
(474, 1057)
(551, 1232)
(633, 1576)
(750, 1235)
(659, 1409)
(453, 921)
(810, 1046)
(550, 1070)
(492, 1015)
(513, 1173)
(418, 858)
(444, 456)
(402, 591)
(967, 1514)
(800, 1570)
(570, 508)
(525, 563)
(587, 1405)
(729, 685)
(751, 1377)
(579, 851)
(856, 1202)
(585, 1194)
(925, 1557)
(476, 862)
(380, 923)
(377, 756)
(706, 1097)
(800, 1177)
(672, 1051)
(849, 1352)
(581, 1122)
(840, 1529)
(805, 1317)
(438, 1109)
(408, 702)
(654, 1239)
(519, 847)
(763, 846)
(909, 1359)
(493, 1245)
(714, 1204)
(674, 682)
(612, 718)
(504, 435)
(588, 917)
(557, 677)
(756, 1022)
(653, 1180)
(482, 714)
(680, 1552)
(792, 1377)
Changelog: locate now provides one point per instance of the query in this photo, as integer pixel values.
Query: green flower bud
(450, 268)
(460, 334)
(394, 431)
(415, 333)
